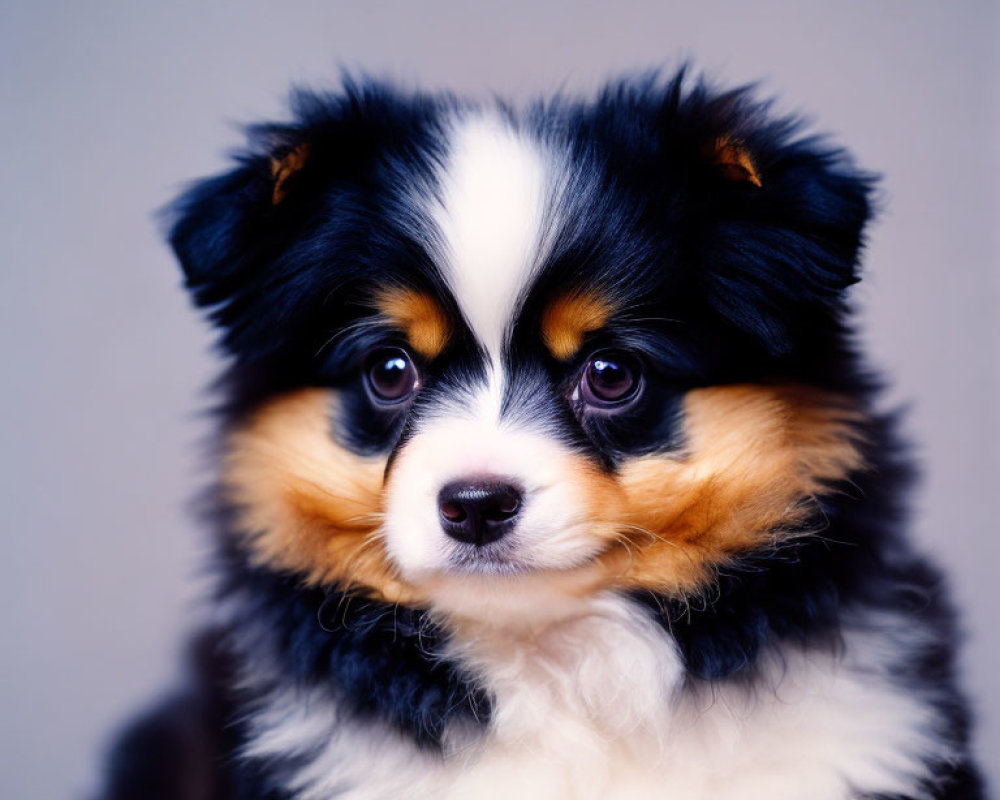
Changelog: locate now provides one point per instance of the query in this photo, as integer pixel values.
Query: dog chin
(507, 591)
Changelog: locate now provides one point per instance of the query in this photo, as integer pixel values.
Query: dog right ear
(222, 227)
(270, 247)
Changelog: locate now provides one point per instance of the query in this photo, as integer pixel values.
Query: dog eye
(391, 375)
(610, 379)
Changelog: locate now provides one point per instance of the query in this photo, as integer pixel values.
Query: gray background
(106, 107)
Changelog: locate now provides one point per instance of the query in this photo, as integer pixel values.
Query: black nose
(478, 512)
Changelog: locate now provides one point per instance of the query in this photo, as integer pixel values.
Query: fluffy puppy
(547, 468)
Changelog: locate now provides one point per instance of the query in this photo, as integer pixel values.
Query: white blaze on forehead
(494, 189)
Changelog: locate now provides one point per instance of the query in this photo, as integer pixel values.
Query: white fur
(592, 707)
(495, 188)
(489, 219)
(551, 530)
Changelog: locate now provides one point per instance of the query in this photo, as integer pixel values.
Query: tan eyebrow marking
(419, 316)
(568, 318)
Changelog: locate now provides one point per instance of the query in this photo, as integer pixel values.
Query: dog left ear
(733, 160)
(785, 234)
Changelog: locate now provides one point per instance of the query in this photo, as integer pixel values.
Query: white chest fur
(595, 707)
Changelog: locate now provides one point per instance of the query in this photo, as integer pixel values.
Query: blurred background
(107, 108)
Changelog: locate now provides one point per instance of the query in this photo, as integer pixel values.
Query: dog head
(587, 345)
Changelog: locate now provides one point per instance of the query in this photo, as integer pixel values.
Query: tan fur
(419, 317)
(733, 160)
(569, 318)
(756, 458)
(283, 168)
(305, 503)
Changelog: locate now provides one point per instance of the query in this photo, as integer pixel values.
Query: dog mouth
(498, 558)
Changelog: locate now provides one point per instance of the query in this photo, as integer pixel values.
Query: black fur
(379, 659)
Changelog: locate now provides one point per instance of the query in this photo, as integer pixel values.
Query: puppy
(548, 468)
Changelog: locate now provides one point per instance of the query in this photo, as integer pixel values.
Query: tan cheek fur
(755, 458)
(304, 503)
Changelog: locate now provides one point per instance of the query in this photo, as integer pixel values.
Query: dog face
(590, 345)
